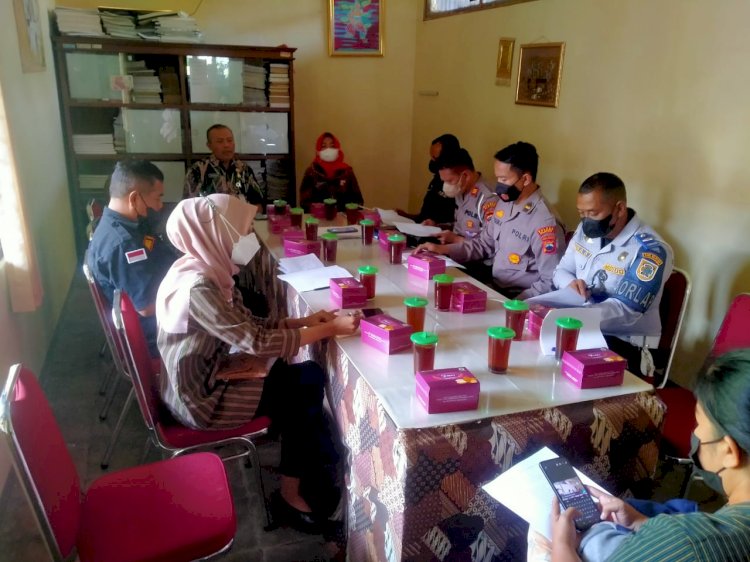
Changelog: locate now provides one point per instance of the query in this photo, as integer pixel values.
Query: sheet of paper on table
(314, 278)
(418, 230)
(391, 217)
(524, 490)
(300, 263)
(562, 298)
(590, 336)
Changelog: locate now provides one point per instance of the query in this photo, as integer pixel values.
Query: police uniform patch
(549, 242)
(546, 230)
(474, 191)
(647, 269)
(614, 269)
(500, 214)
(514, 258)
(135, 256)
(488, 208)
(148, 242)
(469, 223)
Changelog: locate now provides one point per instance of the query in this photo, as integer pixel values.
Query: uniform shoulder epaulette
(647, 240)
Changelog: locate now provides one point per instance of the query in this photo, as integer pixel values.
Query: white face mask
(329, 154)
(246, 246)
(451, 189)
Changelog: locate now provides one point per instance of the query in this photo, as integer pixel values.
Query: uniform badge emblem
(514, 258)
(136, 255)
(622, 257)
(474, 191)
(646, 269)
(527, 207)
(148, 242)
(469, 223)
(500, 214)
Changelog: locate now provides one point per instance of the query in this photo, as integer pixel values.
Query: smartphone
(367, 312)
(570, 491)
(342, 229)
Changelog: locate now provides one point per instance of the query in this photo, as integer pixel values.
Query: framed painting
(504, 61)
(539, 74)
(355, 28)
(30, 35)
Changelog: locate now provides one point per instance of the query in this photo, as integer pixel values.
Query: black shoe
(285, 515)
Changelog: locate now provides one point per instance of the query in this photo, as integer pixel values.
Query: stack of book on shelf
(119, 23)
(119, 134)
(93, 144)
(254, 76)
(92, 182)
(278, 86)
(170, 85)
(277, 179)
(71, 21)
(146, 85)
(172, 27)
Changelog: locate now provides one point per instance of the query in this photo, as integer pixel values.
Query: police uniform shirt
(525, 241)
(210, 176)
(123, 255)
(473, 209)
(625, 277)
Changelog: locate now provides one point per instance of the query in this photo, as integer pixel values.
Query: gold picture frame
(504, 61)
(356, 28)
(540, 74)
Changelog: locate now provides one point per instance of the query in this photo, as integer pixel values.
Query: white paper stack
(92, 182)
(93, 144)
(278, 86)
(146, 85)
(175, 27)
(72, 21)
(254, 76)
(119, 23)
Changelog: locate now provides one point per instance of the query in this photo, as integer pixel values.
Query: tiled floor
(71, 377)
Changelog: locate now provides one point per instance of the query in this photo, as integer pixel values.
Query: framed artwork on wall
(539, 74)
(30, 35)
(504, 61)
(355, 28)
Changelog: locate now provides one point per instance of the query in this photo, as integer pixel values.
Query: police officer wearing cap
(523, 237)
(620, 265)
(125, 252)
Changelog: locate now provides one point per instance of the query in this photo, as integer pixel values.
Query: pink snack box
(447, 390)
(593, 368)
(318, 210)
(347, 292)
(385, 333)
(383, 234)
(537, 314)
(425, 265)
(294, 248)
(467, 297)
(277, 223)
(293, 234)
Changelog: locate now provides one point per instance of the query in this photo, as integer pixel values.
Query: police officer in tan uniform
(475, 201)
(523, 236)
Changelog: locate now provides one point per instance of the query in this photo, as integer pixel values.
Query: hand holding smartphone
(570, 491)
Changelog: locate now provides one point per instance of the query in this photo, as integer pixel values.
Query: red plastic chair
(164, 431)
(177, 509)
(679, 423)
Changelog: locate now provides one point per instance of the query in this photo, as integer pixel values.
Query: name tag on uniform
(136, 255)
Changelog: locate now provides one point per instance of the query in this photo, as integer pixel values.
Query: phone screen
(570, 491)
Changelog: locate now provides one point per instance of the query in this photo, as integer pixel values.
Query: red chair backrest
(673, 301)
(145, 380)
(734, 332)
(45, 467)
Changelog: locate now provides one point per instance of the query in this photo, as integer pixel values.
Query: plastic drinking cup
(330, 208)
(415, 312)
(567, 335)
(515, 316)
(498, 348)
(396, 245)
(367, 276)
(368, 230)
(296, 215)
(443, 291)
(425, 344)
(311, 228)
(330, 244)
(352, 213)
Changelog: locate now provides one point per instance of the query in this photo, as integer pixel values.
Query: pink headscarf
(199, 232)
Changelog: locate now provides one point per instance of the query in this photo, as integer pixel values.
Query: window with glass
(439, 8)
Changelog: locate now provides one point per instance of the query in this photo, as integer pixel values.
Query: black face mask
(593, 228)
(507, 192)
(433, 167)
(711, 479)
(151, 220)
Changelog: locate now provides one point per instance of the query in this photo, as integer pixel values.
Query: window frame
(429, 15)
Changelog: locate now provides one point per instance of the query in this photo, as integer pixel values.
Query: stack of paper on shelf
(173, 27)
(278, 86)
(93, 144)
(119, 23)
(170, 85)
(119, 134)
(92, 182)
(71, 21)
(146, 85)
(254, 77)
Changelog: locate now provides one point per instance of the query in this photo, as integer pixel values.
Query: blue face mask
(711, 479)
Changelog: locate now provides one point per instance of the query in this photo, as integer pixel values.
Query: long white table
(413, 477)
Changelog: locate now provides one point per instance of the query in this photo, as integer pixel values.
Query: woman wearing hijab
(202, 321)
(721, 455)
(437, 207)
(329, 176)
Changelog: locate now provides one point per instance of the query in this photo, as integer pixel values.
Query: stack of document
(254, 76)
(278, 86)
(146, 85)
(119, 23)
(71, 21)
(93, 144)
(307, 273)
(174, 27)
(92, 182)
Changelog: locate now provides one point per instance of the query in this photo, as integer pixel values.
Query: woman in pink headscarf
(328, 176)
(202, 322)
